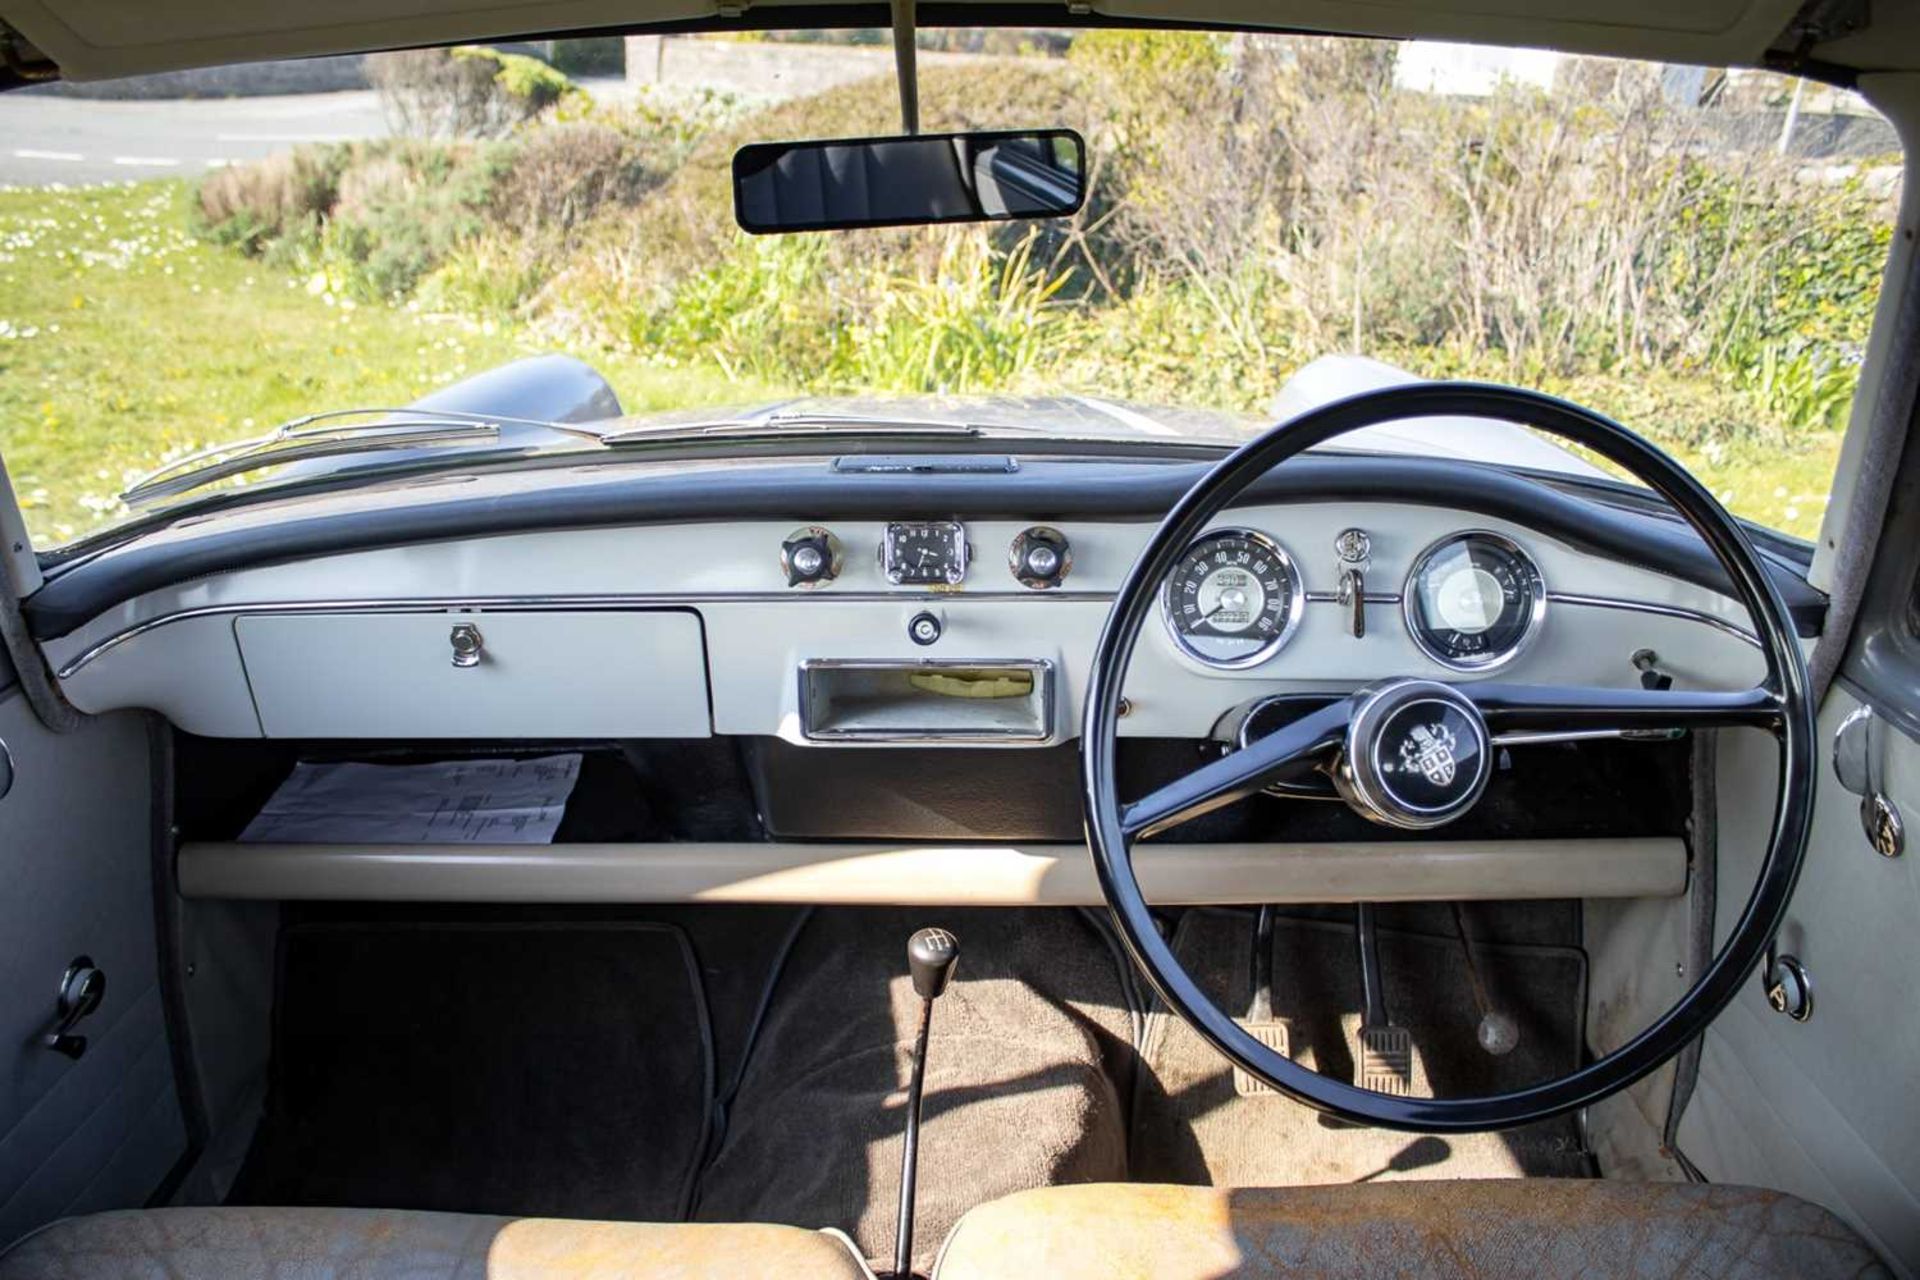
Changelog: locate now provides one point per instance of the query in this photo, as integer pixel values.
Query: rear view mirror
(908, 181)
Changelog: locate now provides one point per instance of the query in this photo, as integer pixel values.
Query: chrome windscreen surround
(1296, 601)
(1417, 755)
(1536, 616)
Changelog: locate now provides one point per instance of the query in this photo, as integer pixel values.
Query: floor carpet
(1026, 1048)
(561, 1069)
(1191, 1126)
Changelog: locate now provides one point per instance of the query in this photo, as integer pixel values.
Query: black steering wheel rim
(1791, 718)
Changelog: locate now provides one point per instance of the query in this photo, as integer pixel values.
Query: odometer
(1233, 599)
(1473, 600)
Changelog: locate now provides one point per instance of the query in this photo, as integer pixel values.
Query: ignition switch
(924, 628)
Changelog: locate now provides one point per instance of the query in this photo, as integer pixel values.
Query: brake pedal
(1260, 1022)
(1385, 1062)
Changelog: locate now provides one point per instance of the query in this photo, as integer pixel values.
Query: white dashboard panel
(174, 649)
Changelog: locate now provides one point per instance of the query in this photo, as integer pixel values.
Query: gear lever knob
(931, 955)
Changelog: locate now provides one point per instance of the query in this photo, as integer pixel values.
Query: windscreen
(1269, 222)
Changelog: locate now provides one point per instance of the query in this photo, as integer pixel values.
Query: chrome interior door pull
(82, 988)
(1858, 763)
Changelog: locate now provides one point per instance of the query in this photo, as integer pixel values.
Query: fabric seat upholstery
(1404, 1230)
(381, 1244)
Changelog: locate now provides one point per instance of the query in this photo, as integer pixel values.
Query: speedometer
(1473, 600)
(1233, 599)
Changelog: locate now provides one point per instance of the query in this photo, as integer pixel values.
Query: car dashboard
(881, 671)
(706, 627)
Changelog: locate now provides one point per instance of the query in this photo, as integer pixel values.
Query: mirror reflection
(908, 181)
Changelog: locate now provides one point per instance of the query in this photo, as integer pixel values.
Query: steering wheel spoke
(1239, 775)
(1532, 712)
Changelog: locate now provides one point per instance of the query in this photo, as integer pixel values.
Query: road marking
(48, 155)
(153, 162)
(286, 137)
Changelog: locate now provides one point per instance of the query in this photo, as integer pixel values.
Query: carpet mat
(534, 1069)
(1190, 1125)
(1026, 1047)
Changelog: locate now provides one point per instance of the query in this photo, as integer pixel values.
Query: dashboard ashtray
(892, 701)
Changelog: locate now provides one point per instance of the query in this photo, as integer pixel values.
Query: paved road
(46, 139)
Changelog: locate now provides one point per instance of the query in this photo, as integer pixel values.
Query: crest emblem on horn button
(1429, 748)
(1416, 754)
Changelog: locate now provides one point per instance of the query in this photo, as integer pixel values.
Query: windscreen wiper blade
(788, 427)
(333, 433)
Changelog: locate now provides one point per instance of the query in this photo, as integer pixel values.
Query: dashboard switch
(924, 628)
(1040, 558)
(810, 557)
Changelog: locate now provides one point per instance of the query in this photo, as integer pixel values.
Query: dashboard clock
(1474, 600)
(926, 553)
(1233, 599)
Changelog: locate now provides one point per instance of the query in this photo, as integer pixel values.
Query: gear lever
(931, 955)
(1496, 1031)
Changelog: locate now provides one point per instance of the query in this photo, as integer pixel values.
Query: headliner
(99, 39)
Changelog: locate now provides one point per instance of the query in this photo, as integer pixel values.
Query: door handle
(1788, 985)
(1858, 765)
(81, 991)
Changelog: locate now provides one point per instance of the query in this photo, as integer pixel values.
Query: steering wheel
(1351, 738)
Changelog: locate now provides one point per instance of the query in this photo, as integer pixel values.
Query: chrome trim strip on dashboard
(547, 604)
(1659, 610)
(536, 603)
(1371, 597)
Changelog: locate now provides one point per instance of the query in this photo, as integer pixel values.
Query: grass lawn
(124, 341)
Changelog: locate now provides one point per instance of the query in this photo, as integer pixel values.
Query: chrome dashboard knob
(811, 557)
(1040, 558)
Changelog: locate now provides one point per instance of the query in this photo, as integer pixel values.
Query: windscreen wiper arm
(332, 433)
(808, 425)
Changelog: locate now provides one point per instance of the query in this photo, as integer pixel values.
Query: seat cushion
(1540, 1228)
(378, 1244)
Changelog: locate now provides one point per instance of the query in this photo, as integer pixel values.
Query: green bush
(466, 92)
(250, 206)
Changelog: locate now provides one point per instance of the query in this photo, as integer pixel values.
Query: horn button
(1416, 755)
